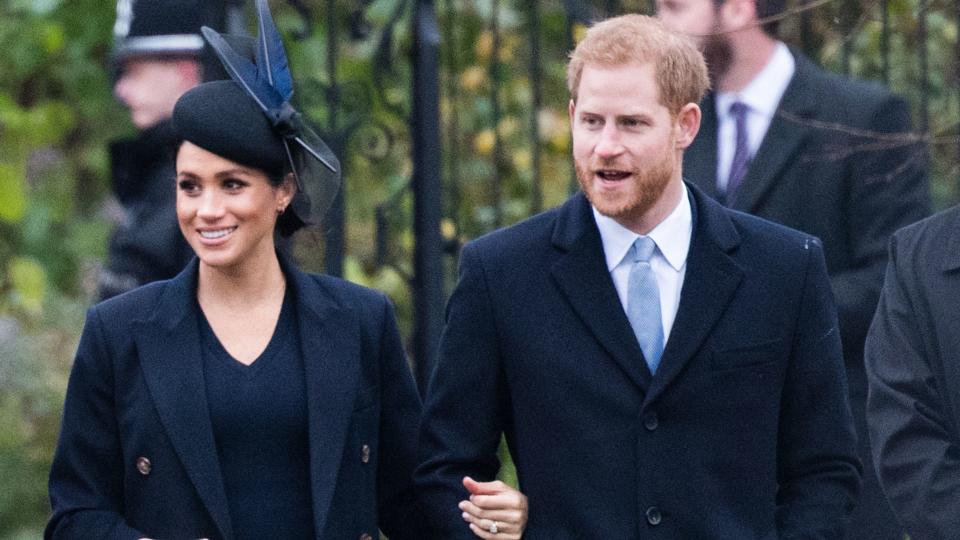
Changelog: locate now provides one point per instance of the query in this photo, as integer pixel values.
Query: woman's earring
(281, 210)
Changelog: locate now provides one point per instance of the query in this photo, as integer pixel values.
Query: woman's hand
(495, 510)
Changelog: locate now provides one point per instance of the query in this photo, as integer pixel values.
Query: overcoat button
(651, 422)
(144, 465)
(365, 536)
(365, 454)
(653, 515)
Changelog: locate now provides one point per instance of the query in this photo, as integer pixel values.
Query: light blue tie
(643, 302)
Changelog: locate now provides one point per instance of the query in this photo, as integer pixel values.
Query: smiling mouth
(611, 175)
(218, 233)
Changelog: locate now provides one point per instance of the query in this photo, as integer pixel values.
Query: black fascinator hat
(250, 120)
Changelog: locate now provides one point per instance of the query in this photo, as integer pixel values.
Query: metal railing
(458, 109)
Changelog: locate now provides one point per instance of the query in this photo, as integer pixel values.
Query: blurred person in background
(784, 140)
(913, 367)
(157, 57)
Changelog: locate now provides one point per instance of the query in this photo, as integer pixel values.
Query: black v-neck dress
(259, 418)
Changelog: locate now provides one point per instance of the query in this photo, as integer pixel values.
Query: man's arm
(918, 459)
(465, 404)
(888, 190)
(818, 468)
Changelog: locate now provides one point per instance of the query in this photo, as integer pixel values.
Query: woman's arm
(494, 510)
(399, 419)
(86, 479)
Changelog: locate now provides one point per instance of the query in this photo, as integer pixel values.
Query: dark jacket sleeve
(463, 419)
(818, 469)
(888, 190)
(918, 458)
(400, 404)
(86, 479)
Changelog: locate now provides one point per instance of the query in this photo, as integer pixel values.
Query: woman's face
(227, 211)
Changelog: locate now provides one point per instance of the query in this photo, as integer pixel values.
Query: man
(913, 367)
(662, 367)
(157, 56)
(786, 141)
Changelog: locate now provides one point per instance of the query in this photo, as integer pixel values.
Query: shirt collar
(763, 93)
(672, 235)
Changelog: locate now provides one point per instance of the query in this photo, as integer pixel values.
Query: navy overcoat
(137, 393)
(744, 432)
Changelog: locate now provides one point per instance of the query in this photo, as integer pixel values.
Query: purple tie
(741, 154)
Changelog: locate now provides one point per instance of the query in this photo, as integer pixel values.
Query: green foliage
(35, 355)
(503, 158)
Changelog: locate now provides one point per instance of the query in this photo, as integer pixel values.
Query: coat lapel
(711, 279)
(168, 344)
(582, 276)
(784, 138)
(700, 160)
(948, 328)
(331, 346)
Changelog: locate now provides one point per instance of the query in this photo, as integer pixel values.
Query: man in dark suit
(913, 367)
(662, 367)
(784, 140)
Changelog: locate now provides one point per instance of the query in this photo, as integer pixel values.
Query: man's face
(624, 141)
(697, 18)
(701, 20)
(151, 87)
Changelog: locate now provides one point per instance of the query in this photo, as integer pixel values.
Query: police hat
(158, 28)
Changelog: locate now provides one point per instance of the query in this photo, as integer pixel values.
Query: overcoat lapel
(785, 137)
(168, 345)
(582, 276)
(711, 279)
(330, 340)
(169, 348)
(949, 327)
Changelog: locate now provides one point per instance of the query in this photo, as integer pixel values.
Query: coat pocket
(749, 355)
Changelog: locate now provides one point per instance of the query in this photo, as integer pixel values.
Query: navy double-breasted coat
(136, 454)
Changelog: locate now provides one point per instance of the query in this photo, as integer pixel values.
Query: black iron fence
(450, 116)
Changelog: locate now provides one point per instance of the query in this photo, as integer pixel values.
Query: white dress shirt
(669, 260)
(761, 96)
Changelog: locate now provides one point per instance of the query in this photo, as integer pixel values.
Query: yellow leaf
(484, 141)
(579, 32)
(29, 282)
(53, 38)
(484, 45)
(473, 78)
(448, 229)
(13, 198)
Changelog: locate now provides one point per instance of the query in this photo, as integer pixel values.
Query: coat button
(144, 465)
(654, 517)
(365, 536)
(365, 454)
(651, 422)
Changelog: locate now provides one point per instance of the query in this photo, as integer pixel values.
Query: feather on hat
(250, 119)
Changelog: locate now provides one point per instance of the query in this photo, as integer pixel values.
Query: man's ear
(687, 125)
(738, 14)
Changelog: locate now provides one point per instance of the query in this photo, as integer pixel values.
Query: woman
(244, 398)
